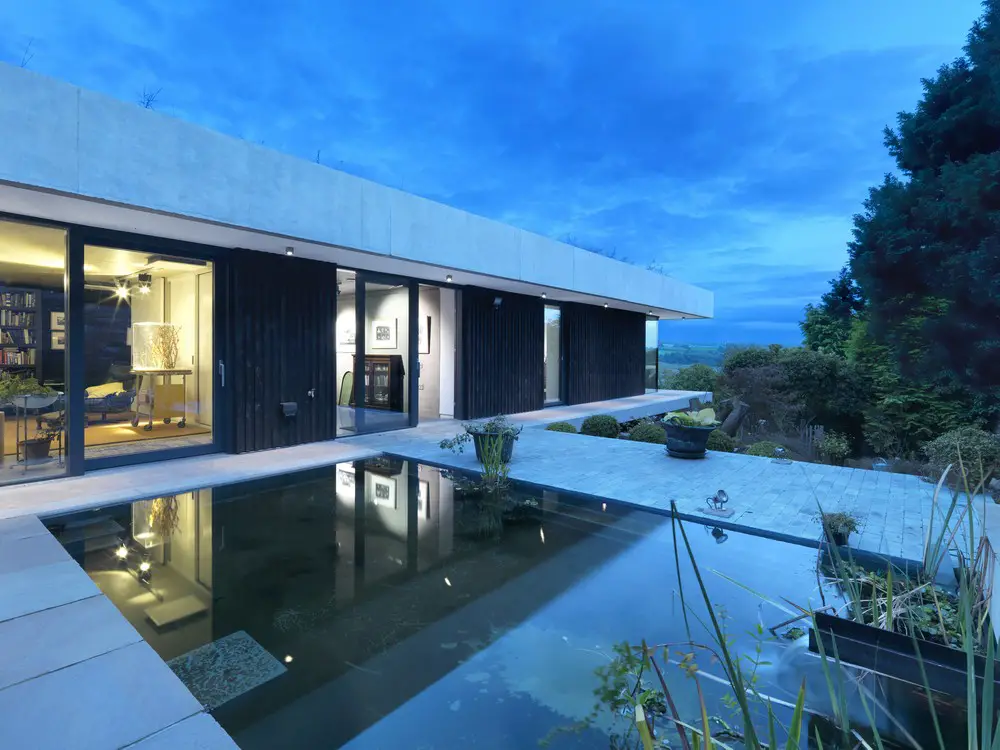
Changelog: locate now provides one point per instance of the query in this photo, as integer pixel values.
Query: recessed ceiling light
(605, 305)
(448, 278)
(544, 295)
(289, 250)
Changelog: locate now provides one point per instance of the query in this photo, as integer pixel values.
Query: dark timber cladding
(605, 352)
(280, 323)
(502, 345)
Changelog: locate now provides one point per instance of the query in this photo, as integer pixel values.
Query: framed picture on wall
(57, 321)
(384, 491)
(58, 342)
(383, 334)
(424, 336)
(423, 498)
(346, 340)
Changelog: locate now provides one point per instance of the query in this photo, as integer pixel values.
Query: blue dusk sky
(728, 143)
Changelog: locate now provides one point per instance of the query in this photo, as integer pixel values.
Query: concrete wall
(59, 137)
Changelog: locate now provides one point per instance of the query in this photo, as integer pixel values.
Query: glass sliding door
(652, 354)
(149, 364)
(387, 356)
(347, 349)
(553, 355)
(33, 404)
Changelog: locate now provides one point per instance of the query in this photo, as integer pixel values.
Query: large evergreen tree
(926, 249)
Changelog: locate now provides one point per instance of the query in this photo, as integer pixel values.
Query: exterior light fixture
(448, 278)
(122, 552)
(719, 500)
(780, 457)
(544, 295)
(145, 283)
(289, 251)
(720, 535)
(497, 301)
(605, 305)
(604, 506)
(288, 659)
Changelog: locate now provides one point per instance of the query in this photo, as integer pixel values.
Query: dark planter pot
(36, 449)
(838, 538)
(896, 655)
(686, 442)
(479, 440)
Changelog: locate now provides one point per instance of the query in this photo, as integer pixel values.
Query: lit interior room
(32, 351)
(148, 351)
(387, 332)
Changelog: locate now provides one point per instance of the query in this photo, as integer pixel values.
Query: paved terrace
(58, 632)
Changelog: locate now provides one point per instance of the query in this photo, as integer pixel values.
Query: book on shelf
(18, 299)
(13, 358)
(17, 337)
(17, 319)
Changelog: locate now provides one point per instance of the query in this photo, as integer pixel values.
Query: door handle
(222, 373)
(311, 393)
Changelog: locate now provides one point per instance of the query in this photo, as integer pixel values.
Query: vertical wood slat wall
(502, 350)
(281, 320)
(605, 353)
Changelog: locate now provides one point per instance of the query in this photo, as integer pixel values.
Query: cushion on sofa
(108, 389)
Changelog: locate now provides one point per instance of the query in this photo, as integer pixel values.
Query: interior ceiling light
(122, 291)
(145, 283)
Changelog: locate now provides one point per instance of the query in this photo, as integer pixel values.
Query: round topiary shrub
(834, 447)
(601, 425)
(720, 441)
(764, 448)
(561, 427)
(647, 432)
(979, 450)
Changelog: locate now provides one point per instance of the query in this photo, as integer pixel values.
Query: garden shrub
(697, 377)
(765, 448)
(601, 425)
(720, 441)
(980, 452)
(834, 447)
(740, 357)
(647, 432)
(561, 427)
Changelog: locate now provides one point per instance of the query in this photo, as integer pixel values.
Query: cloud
(728, 144)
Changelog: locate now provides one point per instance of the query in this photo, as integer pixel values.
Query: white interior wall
(430, 363)
(446, 397)
(182, 312)
(205, 362)
(392, 304)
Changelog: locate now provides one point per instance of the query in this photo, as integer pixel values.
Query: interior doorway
(436, 352)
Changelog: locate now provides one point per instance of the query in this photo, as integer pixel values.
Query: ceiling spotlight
(289, 251)
(605, 305)
(544, 295)
(448, 278)
(122, 291)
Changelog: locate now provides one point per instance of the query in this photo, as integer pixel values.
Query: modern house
(178, 291)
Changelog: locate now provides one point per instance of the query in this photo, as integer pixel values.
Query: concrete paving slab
(200, 732)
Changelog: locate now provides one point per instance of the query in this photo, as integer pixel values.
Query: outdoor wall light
(497, 301)
(780, 457)
(720, 535)
(289, 251)
(448, 278)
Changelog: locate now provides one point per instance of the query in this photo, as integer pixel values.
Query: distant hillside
(675, 356)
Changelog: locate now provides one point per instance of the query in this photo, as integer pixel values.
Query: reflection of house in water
(328, 572)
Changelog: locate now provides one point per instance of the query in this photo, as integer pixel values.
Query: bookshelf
(21, 329)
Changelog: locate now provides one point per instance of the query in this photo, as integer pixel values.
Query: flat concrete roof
(72, 155)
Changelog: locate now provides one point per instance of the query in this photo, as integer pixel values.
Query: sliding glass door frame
(361, 280)
(81, 237)
(561, 401)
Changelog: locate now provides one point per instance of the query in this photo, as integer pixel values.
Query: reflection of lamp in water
(145, 571)
(720, 535)
(122, 552)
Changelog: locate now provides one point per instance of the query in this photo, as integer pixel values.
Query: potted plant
(25, 393)
(480, 433)
(38, 447)
(838, 527)
(687, 432)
